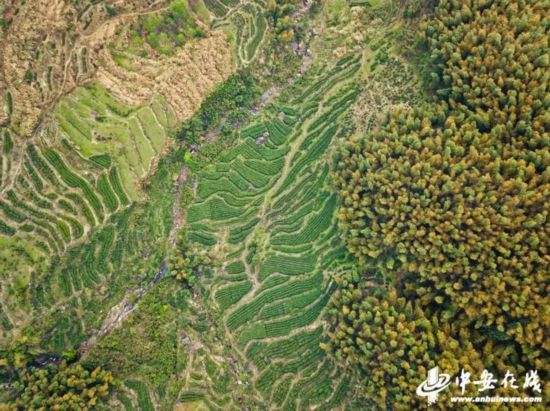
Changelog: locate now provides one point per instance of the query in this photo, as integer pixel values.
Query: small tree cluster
(169, 29)
(225, 107)
(279, 14)
(63, 387)
(187, 262)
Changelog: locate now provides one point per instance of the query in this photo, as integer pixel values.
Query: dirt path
(133, 297)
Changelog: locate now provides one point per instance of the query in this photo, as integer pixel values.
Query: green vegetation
(250, 205)
(169, 29)
(447, 202)
(227, 106)
(60, 386)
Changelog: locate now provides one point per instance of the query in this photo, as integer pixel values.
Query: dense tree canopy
(394, 341)
(63, 387)
(450, 201)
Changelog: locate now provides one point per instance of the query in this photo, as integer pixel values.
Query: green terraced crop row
(255, 178)
(212, 209)
(230, 294)
(238, 234)
(285, 326)
(262, 353)
(117, 186)
(270, 375)
(246, 312)
(143, 399)
(74, 181)
(61, 226)
(260, 28)
(289, 265)
(280, 309)
(191, 396)
(253, 131)
(109, 197)
(6, 229)
(201, 238)
(248, 22)
(266, 204)
(102, 160)
(268, 168)
(42, 166)
(11, 213)
(33, 175)
(216, 7)
(83, 206)
(315, 226)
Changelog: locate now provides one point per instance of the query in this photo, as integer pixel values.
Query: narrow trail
(133, 297)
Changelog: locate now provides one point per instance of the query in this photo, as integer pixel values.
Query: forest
(448, 203)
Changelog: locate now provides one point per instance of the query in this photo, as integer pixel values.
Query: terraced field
(85, 194)
(123, 253)
(246, 19)
(72, 196)
(266, 210)
(99, 125)
(61, 193)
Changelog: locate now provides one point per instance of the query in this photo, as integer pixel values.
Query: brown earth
(52, 46)
(184, 78)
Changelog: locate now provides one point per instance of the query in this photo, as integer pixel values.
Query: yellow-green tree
(450, 200)
(187, 261)
(63, 387)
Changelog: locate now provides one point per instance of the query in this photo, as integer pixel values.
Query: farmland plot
(266, 208)
(72, 196)
(248, 22)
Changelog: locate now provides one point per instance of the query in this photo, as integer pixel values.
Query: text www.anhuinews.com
(496, 399)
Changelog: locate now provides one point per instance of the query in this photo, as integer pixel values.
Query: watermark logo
(435, 383)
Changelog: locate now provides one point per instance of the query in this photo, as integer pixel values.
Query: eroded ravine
(131, 300)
